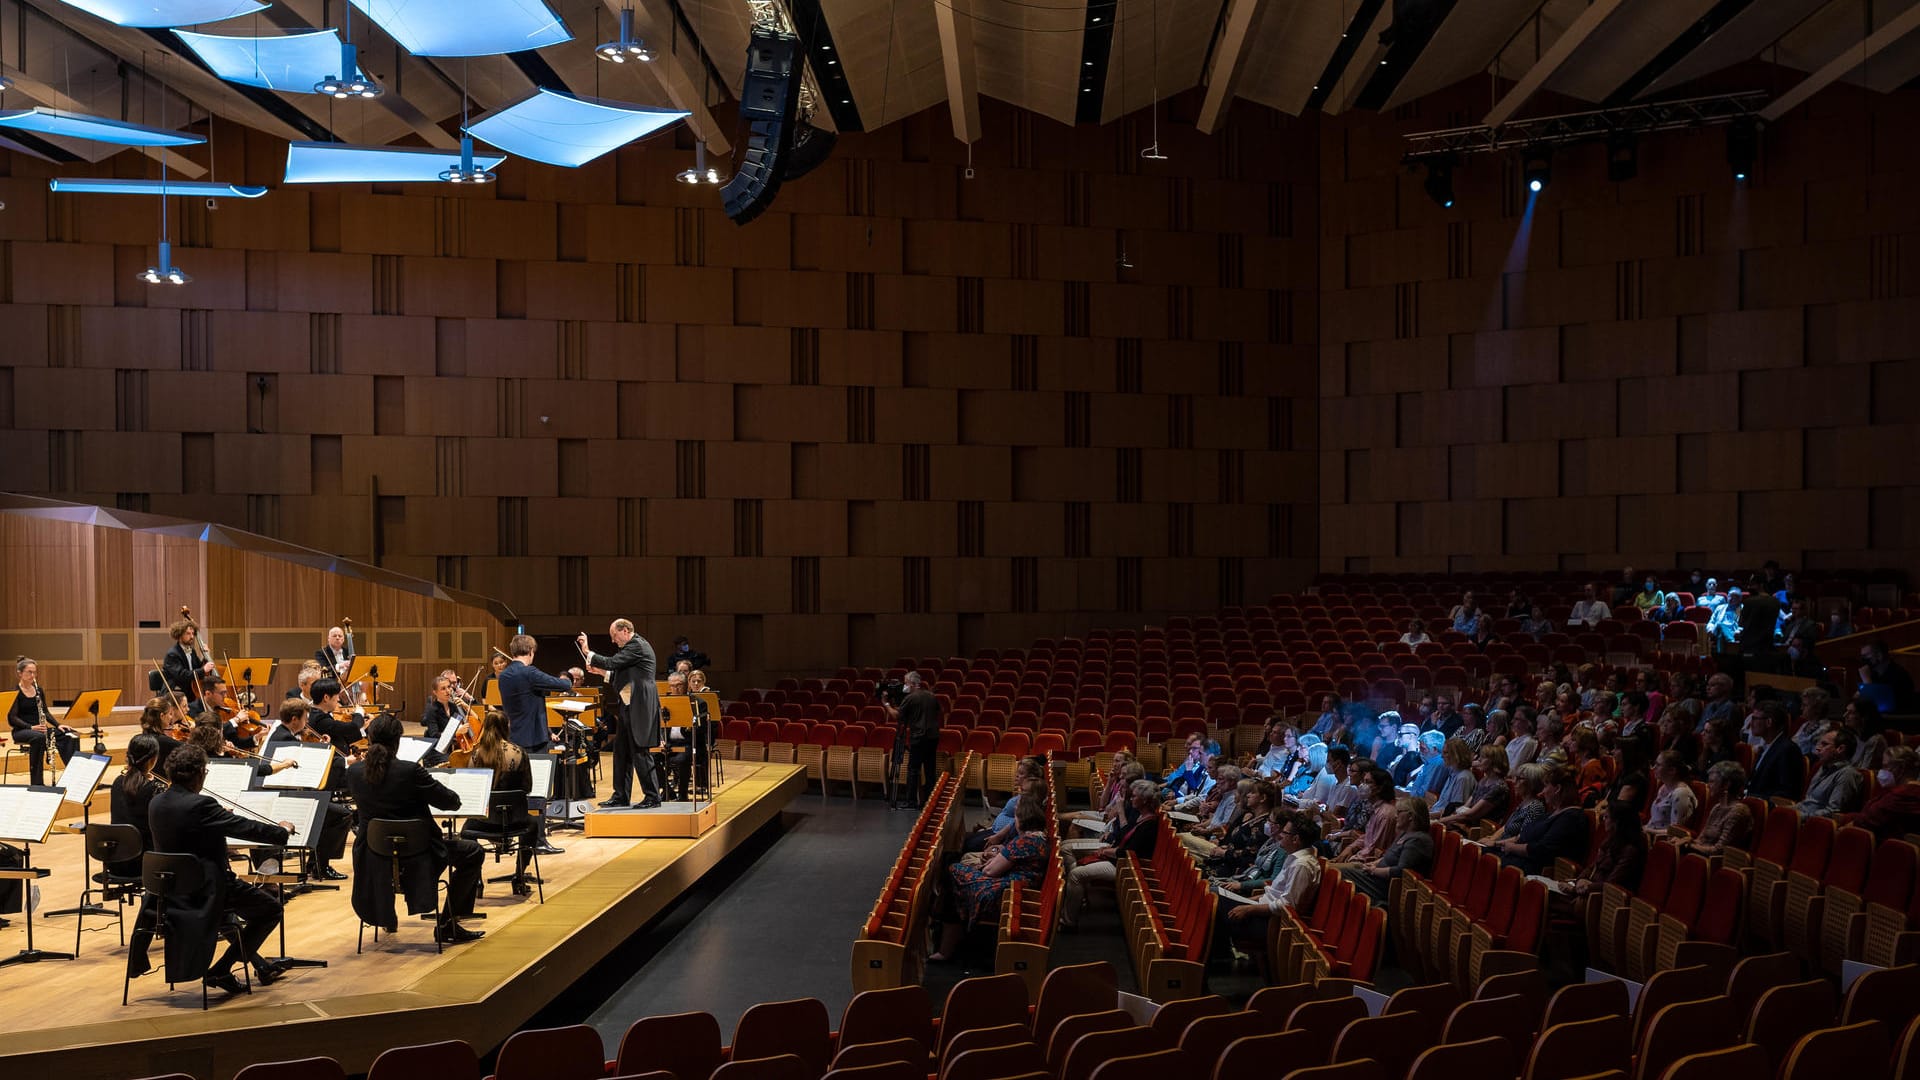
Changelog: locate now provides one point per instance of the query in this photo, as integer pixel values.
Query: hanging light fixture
(165, 273)
(352, 82)
(701, 173)
(628, 47)
(467, 172)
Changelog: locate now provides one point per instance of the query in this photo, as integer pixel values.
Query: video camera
(891, 692)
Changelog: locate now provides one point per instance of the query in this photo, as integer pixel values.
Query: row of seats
(1023, 944)
(1468, 920)
(1828, 893)
(1341, 936)
(1166, 916)
(892, 942)
(1686, 911)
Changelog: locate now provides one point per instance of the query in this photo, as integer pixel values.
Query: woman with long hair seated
(1412, 849)
(1488, 796)
(1730, 822)
(976, 886)
(511, 772)
(133, 791)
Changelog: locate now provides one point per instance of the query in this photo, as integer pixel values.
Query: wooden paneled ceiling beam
(1229, 57)
(1551, 60)
(50, 96)
(954, 19)
(1896, 28)
(678, 75)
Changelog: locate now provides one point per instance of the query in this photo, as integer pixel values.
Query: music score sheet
(304, 809)
(81, 776)
(26, 813)
(475, 788)
(316, 761)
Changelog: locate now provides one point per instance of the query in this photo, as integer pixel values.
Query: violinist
(295, 727)
(215, 702)
(32, 722)
(329, 717)
(185, 664)
(162, 720)
(133, 792)
(209, 737)
(495, 665)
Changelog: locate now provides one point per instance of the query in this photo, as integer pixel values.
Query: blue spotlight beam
(467, 27)
(561, 129)
(197, 188)
(341, 163)
(290, 63)
(165, 13)
(44, 121)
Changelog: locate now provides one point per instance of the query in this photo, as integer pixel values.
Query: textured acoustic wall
(904, 412)
(1667, 370)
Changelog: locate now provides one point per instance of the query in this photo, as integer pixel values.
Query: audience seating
(1027, 915)
(1167, 916)
(892, 943)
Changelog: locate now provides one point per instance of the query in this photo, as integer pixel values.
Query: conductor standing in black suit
(629, 673)
(183, 821)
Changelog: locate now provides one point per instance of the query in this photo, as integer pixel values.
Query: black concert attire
(920, 720)
(28, 711)
(523, 689)
(630, 676)
(189, 823)
(168, 744)
(514, 774)
(182, 671)
(435, 719)
(339, 817)
(330, 659)
(406, 793)
(131, 808)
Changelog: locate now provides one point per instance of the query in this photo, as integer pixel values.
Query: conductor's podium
(673, 820)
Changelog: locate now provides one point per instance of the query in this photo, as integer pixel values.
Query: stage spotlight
(1743, 147)
(1623, 157)
(1536, 170)
(1439, 182)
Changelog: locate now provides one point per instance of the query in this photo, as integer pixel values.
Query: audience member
(1561, 832)
(1099, 864)
(1490, 795)
(1674, 802)
(1412, 849)
(1837, 787)
(1730, 823)
(1589, 611)
(1895, 811)
(1778, 767)
(1892, 684)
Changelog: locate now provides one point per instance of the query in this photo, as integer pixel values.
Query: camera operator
(916, 717)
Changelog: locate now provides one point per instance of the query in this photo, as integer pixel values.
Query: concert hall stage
(64, 1017)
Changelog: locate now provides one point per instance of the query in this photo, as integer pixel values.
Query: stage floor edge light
(343, 163)
(44, 121)
(467, 27)
(197, 188)
(166, 13)
(569, 131)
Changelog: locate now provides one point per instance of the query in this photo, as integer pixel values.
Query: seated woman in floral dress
(976, 886)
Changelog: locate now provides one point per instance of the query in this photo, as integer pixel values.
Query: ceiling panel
(892, 56)
(1743, 38)
(1027, 53)
(1465, 45)
(1291, 45)
(1157, 45)
(1623, 45)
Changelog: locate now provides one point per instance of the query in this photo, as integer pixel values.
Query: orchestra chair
(1476, 1060)
(107, 844)
(685, 1044)
(164, 875)
(397, 841)
(887, 1014)
(1857, 1052)
(994, 1062)
(1095, 1048)
(778, 1067)
(886, 1070)
(313, 1068)
(497, 833)
(449, 1060)
(861, 1055)
(1745, 1060)
(775, 1028)
(1363, 1069)
(1155, 1066)
(561, 1053)
(1255, 1054)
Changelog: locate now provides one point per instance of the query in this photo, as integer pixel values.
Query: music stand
(308, 811)
(378, 669)
(26, 817)
(492, 694)
(679, 710)
(78, 780)
(247, 672)
(92, 703)
(571, 725)
(715, 763)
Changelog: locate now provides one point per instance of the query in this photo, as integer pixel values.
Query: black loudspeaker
(768, 98)
(811, 146)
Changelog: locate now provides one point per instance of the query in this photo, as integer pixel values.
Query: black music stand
(282, 881)
(93, 770)
(27, 874)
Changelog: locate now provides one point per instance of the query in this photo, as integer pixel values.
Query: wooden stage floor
(64, 1017)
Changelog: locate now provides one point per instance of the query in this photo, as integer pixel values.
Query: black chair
(504, 830)
(165, 875)
(109, 844)
(398, 841)
(156, 684)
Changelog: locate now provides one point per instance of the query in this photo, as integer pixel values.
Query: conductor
(629, 673)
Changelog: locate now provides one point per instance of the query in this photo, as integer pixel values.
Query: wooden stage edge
(480, 992)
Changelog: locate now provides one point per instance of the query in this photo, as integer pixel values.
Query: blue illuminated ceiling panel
(166, 12)
(561, 129)
(340, 163)
(467, 27)
(196, 188)
(44, 121)
(293, 63)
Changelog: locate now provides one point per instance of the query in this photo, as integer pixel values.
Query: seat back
(876, 1015)
(861, 1055)
(980, 1038)
(1744, 1060)
(1784, 1014)
(164, 874)
(116, 843)
(1434, 1001)
(685, 1044)
(774, 1028)
(1666, 987)
(1069, 1030)
(983, 1002)
(994, 1062)
(1208, 1037)
(1075, 988)
(1855, 1051)
(1587, 1001)
(1884, 994)
(1512, 1018)
(1390, 1041)
(778, 1067)
(449, 1060)
(883, 1070)
(1096, 1048)
(573, 1052)
(313, 1068)
(1363, 1069)
(1171, 1019)
(1683, 1028)
(1753, 976)
(1476, 1060)
(1581, 1048)
(1254, 1055)
(1324, 1020)
(1154, 1066)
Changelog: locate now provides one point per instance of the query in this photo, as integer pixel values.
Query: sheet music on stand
(305, 809)
(475, 788)
(26, 813)
(412, 749)
(81, 776)
(542, 767)
(226, 779)
(446, 736)
(316, 761)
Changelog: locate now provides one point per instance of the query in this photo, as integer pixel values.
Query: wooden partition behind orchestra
(90, 593)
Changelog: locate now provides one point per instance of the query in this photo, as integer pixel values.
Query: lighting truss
(1543, 131)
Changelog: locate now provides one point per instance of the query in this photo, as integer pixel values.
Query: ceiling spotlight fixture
(628, 47)
(351, 82)
(1743, 148)
(1536, 170)
(701, 173)
(467, 172)
(166, 273)
(1439, 182)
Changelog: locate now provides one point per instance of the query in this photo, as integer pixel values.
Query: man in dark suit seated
(387, 789)
(185, 822)
(1778, 768)
(295, 716)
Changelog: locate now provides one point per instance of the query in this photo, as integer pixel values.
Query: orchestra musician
(32, 722)
(496, 664)
(215, 702)
(387, 788)
(161, 719)
(687, 749)
(629, 672)
(443, 708)
(310, 672)
(133, 792)
(185, 821)
(511, 772)
(296, 718)
(185, 663)
(336, 656)
(523, 690)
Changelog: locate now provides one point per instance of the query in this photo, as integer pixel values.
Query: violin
(246, 723)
